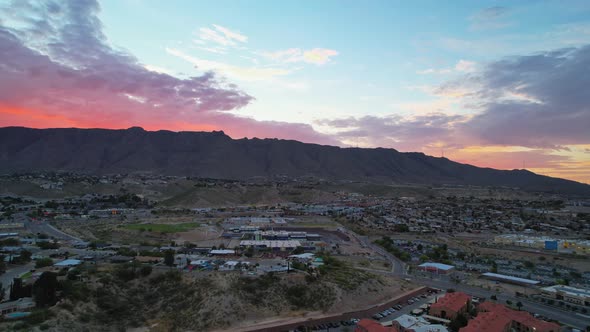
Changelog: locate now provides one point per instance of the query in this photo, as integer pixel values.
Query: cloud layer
(57, 69)
(538, 103)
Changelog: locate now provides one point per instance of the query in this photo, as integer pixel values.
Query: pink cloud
(58, 71)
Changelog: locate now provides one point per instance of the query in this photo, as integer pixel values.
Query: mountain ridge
(216, 155)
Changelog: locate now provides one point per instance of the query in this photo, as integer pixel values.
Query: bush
(145, 270)
(47, 245)
(43, 262)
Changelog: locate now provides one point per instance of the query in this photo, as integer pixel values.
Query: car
(376, 316)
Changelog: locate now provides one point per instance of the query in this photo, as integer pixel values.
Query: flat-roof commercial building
(222, 252)
(509, 279)
(450, 305)
(274, 245)
(493, 317)
(437, 268)
(569, 294)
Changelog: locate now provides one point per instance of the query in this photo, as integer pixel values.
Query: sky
(490, 83)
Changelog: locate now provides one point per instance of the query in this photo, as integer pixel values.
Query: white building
(569, 294)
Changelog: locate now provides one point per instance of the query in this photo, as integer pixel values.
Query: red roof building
(450, 305)
(494, 317)
(369, 325)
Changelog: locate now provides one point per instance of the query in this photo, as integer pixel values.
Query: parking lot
(385, 315)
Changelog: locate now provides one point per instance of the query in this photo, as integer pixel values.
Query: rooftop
(510, 278)
(439, 266)
(368, 325)
(272, 244)
(454, 301)
(568, 290)
(495, 317)
(69, 262)
(222, 252)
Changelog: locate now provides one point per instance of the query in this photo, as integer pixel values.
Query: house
(222, 252)
(494, 317)
(149, 259)
(22, 304)
(68, 263)
(200, 264)
(369, 325)
(450, 305)
(302, 258)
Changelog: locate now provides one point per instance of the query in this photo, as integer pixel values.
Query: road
(397, 266)
(42, 226)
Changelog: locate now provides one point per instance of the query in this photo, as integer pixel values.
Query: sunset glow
(506, 91)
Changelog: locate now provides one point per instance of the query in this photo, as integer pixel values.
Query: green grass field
(162, 228)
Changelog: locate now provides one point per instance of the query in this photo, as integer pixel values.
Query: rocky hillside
(216, 155)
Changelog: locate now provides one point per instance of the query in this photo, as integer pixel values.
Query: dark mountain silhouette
(216, 155)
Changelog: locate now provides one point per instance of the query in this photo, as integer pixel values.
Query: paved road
(41, 226)
(7, 277)
(397, 266)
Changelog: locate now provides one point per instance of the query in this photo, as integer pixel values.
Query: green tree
(458, 322)
(25, 256)
(145, 270)
(45, 289)
(169, 257)
(2, 264)
(519, 305)
(298, 250)
(18, 290)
